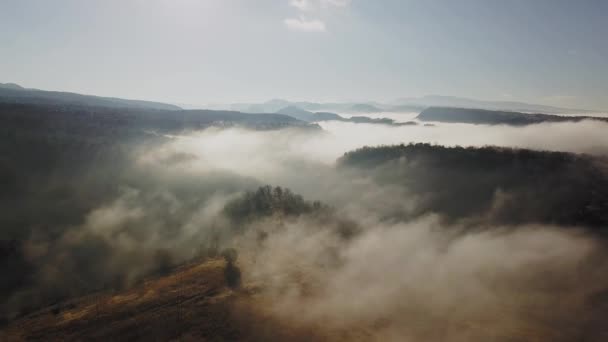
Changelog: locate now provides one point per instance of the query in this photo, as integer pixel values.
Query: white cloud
(315, 7)
(305, 25)
(302, 5)
(335, 3)
(311, 5)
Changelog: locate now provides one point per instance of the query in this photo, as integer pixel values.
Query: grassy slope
(192, 303)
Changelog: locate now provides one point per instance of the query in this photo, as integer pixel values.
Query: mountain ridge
(14, 93)
(495, 117)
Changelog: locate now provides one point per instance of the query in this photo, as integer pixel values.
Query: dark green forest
(493, 184)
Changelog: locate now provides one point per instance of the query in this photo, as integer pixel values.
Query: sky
(552, 52)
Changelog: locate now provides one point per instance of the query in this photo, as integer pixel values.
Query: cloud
(398, 271)
(305, 25)
(302, 5)
(311, 5)
(335, 3)
(400, 282)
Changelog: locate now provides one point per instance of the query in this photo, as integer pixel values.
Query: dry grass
(192, 303)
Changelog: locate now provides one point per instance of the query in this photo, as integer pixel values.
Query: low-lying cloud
(392, 277)
(418, 281)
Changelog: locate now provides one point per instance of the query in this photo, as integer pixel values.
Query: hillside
(297, 113)
(43, 142)
(14, 94)
(76, 118)
(307, 116)
(60, 163)
(409, 104)
(101, 263)
(493, 184)
(193, 303)
(492, 117)
(461, 102)
(275, 105)
(13, 86)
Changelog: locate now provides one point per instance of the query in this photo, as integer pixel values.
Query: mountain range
(16, 94)
(410, 104)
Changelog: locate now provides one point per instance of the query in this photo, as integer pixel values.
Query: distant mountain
(305, 115)
(13, 86)
(413, 104)
(131, 122)
(365, 108)
(382, 121)
(405, 108)
(271, 106)
(452, 101)
(275, 105)
(327, 116)
(493, 117)
(14, 93)
(297, 113)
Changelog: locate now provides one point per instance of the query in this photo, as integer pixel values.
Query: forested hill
(59, 164)
(54, 147)
(97, 121)
(493, 117)
(500, 185)
(13, 93)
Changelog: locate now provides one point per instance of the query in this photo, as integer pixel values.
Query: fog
(392, 277)
(396, 116)
(419, 281)
(582, 137)
(264, 154)
(305, 161)
(405, 281)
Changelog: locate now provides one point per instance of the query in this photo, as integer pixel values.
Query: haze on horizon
(217, 51)
(356, 209)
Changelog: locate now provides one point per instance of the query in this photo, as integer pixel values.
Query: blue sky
(211, 51)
